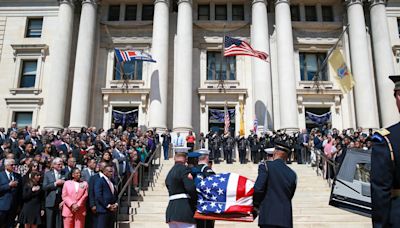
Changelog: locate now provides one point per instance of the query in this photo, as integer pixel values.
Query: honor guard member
(269, 154)
(182, 193)
(242, 146)
(385, 172)
(274, 190)
(199, 172)
(229, 145)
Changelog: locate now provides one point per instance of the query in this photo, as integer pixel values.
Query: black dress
(30, 213)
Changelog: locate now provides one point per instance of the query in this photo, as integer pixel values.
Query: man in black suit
(274, 189)
(3, 135)
(19, 151)
(3, 147)
(12, 128)
(106, 198)
(91, 217)
(10, 194)
(71, 164)
(53, 182)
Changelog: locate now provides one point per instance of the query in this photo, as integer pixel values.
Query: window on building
(237, 12)
(220, 12)
(203, 12)
(128, 70)
(130, 12)
(295, 12)
(28, 74)
(311, 13)
(327, 13)
(147, 12)
(34, 27)
(220, 68)
(309, 65)
(23, 119)
(113, 12)
(398, 26)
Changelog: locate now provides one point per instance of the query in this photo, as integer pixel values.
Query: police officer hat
(203, 152)
(269, 151)
(282, 146)
(396, 81)
(194, 155)
(181, 150)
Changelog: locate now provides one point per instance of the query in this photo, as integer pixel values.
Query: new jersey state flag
(226, 193)
(340, 71)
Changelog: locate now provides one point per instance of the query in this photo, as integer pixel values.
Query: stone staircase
(310, 203)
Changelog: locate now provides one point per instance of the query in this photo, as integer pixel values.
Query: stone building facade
(58, 68)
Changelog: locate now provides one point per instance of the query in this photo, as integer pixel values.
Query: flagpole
(322, 66)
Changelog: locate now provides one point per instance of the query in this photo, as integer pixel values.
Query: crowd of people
(67, 178)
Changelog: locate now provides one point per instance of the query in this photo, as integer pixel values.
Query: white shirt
(76, 185)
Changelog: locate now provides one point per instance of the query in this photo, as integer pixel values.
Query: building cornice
(161, 1)
(185, 1)
(282, 1)
(259, 1)
(376, 2)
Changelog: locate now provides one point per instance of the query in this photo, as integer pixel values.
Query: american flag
(127, 56)
(255, 125)
(226, 193)
(227, 121)
(238, 47)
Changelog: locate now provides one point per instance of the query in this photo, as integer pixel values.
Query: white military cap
(269, 150)
(181, 150)
(204, 151)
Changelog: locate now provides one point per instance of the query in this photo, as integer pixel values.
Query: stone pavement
(310, 203)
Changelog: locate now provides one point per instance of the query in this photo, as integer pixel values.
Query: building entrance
(216, 120)
(125, 117)
(317, 118)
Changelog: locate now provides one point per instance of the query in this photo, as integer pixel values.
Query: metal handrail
(138, 169)
(321, 157)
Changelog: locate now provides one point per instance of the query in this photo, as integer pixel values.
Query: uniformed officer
(274, 190)
(229, 145)
(385, 172)
(269, 154)
(199, 172)
(242, 146)
(182, 193)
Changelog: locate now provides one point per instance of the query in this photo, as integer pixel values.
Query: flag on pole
(227, 120)
(241, 127)
(226, 193)
(341, 73)
(233, 47)
(255, 125)
(127, 56)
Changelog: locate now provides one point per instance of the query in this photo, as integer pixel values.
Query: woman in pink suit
(74, 194)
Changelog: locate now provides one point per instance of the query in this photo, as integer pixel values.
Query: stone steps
(310, 203)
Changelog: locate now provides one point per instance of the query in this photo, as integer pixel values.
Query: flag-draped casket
(226, 196)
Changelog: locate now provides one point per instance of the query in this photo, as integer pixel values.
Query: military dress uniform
(273, 192)
(385, 177)
(242, 146)
(182, 197)
(385, 173)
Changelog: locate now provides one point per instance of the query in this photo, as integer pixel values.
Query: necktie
(10, 177)
(111, 186)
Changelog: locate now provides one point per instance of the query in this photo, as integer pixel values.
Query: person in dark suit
(182, 192)
(91, 218)
(3, 147)
(12, 128)
(274, 189)
(53, 182)
(165, 143)
(10, 194)
(71, 164)
(105, 198)
(385, 172)
(89, 171)
(32, 196)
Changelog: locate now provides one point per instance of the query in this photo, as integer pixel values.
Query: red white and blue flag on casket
(226, 196)
(127, 56)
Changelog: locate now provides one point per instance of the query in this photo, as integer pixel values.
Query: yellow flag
(340, 71)
(241, 127)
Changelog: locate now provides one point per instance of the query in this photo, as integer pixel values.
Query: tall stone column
(261, 70)
(83, 66)
(384, 65)
(57, 83)
(364, 90)
(159, 76)
(286, 75)
(182, 119)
